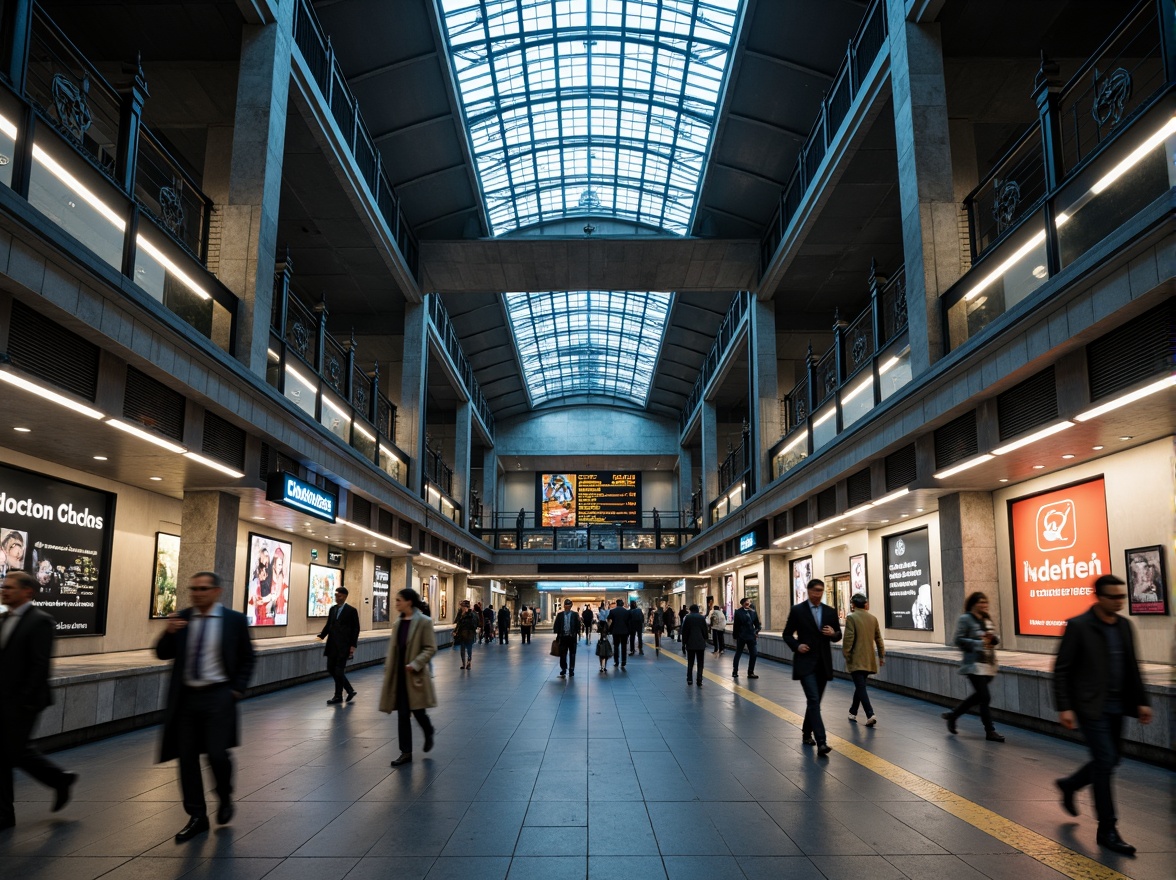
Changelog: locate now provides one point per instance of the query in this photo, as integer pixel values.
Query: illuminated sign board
(585, 499)
(294, 493)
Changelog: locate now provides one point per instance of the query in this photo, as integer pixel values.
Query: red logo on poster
(1060, 545)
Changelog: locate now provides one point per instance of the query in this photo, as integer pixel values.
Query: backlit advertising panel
(1059, 546)
(557, 500)
(906, 581)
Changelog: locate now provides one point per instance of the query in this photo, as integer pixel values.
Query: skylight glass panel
(591, 84)
(588, 342)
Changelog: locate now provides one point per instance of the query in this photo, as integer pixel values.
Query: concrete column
(710, 458)
(489, 487)
(967, 546)
(358, 577)
(775, 593)
(765, 389)
(461, 458)
(926, 193)
(209, 523)
(410, 432)
(243, 177)
(685, 481)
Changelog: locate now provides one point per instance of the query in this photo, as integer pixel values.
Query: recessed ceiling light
(156, 479)
(1128, 437)
(99, 458)
(1038, 467)
(843, 528)
(885, 520)
(1068, 455)
(906, 514)
(22, 430)
(918, 509)
(260, 518)
(1004, 479)
(1096, 448)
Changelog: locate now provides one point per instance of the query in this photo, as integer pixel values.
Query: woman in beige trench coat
(408, 684)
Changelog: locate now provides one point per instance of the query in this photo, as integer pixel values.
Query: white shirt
(11, 622)
(212, 667)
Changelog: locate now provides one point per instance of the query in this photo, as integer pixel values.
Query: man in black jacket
(694, 643)
(746, 624)
(213, 661)
(342, 634)
(26, 645)
(810, 631)
(567, 630)
(1096, 683)
(618, 628)
(636, 629)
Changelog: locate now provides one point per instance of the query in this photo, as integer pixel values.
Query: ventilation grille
(45, 349)
(780, 524)
(955, 441)
(223, 441)
(800, 516)
(827, 503)
(900, 468)
(858, 488)
(1138, 350)
(385, 525)
(359, 509)
(273, 460)
(149, 402)
(1029, 405)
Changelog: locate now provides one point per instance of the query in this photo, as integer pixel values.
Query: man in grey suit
(810, 632)
(26, 645)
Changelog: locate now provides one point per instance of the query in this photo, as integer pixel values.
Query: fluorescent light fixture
(963, 466)
(832, 412)
(433, 490)
(22, 430)
(372, 534)
(7, 127)
(800, 438)
(1006, 265)
(79, 189)
(41, 391)
(334, 406)
(732, 563)
(891, 497)
(388, 452)
(293, 372)
(439, 561)
(147, 435)
(187, 280)
(215, 465)
(1133, 158)
(794, 536)
(862, 386)
(360, 430)
(273, 355)
(1131, 397)
(886, 367)
(1033, 438)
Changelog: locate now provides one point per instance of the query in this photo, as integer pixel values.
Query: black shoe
(951, 722)
(735, 674)
(562, 674)
(224, 813)
(699, 682)
(571, 673)
(993, 737)
(405, 757)
(196, 825)
(824, 749)
(689, 680)
(334, 701)
(63, 791)
(351, 696)
(429, 741)
(1112, 841)
(807, 740)
(752, 675)
(1067, 797)
(5, 824)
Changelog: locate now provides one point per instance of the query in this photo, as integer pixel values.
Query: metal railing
(319, 55)
(653, 531)
(864, 48)
(437, 471)
(444, 327)
(740, 304)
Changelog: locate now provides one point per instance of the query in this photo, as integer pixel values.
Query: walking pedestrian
(603, 652)
(657, 623)
(342, 634)
(1096, 683)
(618, 628)
(747, 629)
(976, 636)
(504, 625)
(488, 624)
(810, 631)
(670, 620)
(526, 621)
(636, 629)
(862, 634)
(567, 632)
(465, 632)
(408, 686)
(586, 617)
(718, 625)
(694, 643)
(602, 622)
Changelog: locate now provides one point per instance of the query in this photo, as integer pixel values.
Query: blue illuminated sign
(747, 542)
(294, 493)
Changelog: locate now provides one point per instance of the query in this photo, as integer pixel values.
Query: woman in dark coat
(465, 632)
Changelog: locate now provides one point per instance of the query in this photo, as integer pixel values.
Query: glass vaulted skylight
(600, 108)
(588, 342)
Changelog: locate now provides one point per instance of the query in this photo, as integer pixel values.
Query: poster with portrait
(857, 575)
(381, 580)
(167, 566)
(321, 596)
(906, 580)
(60, 533)
(802, 573)
(729, 596)
(267, 601)
(1147, 587)
(557, 500)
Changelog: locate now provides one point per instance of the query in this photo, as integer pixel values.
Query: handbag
(555, 647)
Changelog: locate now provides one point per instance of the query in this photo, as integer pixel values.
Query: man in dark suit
(342, 634)
(694, 643)
(747, 627)
(636, 628)
(504, 625)
(618, 628)
(567, 629)
(810, 632)
(1096, 683)
(26, 644)
(213, 661)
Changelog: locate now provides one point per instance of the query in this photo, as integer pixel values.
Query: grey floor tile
(548, 868)
(642, 867)
(702, 867)
(779, 868)
(384, 867)
(74, 868)
(312, 869)
(469, 867)
(931, 867)
(1010, 866)
(540, 841)
(856, 867)
(557, 814)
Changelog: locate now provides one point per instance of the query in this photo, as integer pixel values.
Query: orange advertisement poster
(1059, 547)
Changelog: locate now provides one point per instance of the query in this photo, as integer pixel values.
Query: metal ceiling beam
(755, 120)
(752, 174)
(391, 68)
(426, 223)
(791, 65)
(413, 181)
(405, 129)
(748, 220)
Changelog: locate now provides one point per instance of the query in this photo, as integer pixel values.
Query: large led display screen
(60, 533)
(906, 581)
(557, 500)
(268, 601)
(585, 499)
(1060, 546)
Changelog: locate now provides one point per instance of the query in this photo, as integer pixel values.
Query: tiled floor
(631, 774)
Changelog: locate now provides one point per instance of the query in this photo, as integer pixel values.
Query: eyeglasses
(201, 589)
(1115, 597)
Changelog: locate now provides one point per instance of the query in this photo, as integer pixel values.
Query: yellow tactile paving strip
(1036, 846)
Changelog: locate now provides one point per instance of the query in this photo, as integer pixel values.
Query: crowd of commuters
(1096, 677)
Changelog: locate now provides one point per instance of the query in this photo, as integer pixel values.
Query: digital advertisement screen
(586, 499)
(1060, 545)
(906, 581)
(167, 564)
(557, 500)
(267, 602)
(381, 579)
(60, 533)
(321, 596)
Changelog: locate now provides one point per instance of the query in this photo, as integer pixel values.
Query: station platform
(627, 773)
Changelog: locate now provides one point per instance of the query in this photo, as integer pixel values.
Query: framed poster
(858, 582)
(267, 601)
(321, 595)
(802, 573)
(381, 580)
(1060, 545)
(1147, 587)
(729, 596)
(167, 565)
(906, 580)
(61, 533)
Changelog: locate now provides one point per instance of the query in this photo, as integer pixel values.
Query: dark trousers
(979, 697)
(636, 644)
(16, 752)
(814, 690)
(657, 639)
(1102, 737)
(752, 653)
(567, 653)
(336, 666)
(205, 723)
(694, 655)
(860, 697)
(718, 639)
(526, 634)
(503, 635)
(620, 644)
(403, 722)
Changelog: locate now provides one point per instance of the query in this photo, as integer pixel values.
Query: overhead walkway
(628, 774)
